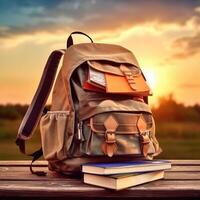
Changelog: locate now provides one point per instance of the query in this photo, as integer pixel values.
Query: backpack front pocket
(118, 133)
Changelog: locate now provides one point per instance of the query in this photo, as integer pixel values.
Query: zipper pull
(80, 131)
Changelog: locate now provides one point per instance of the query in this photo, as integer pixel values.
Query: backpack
(99, 110)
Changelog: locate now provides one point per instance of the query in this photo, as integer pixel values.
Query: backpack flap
(113, 77)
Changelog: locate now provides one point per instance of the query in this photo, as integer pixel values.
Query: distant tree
(7, 112)
(197, 108)
(14, 111)
(169, 110)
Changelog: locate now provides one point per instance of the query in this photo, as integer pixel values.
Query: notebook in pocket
(119, 84)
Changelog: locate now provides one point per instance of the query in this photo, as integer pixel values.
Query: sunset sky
(163, 35)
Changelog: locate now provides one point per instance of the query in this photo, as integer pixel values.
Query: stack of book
(122, 175)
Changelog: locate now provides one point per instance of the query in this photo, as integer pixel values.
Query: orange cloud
(186, 46)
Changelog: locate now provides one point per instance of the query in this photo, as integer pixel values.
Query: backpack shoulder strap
(35, 110)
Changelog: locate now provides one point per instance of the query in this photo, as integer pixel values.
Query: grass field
(9, 150)
(179, 140)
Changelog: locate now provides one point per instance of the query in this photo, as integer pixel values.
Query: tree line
(167, 110)
(170, 110)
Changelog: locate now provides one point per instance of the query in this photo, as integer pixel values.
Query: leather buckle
(109, 147)
(110, 137)
(144, 138)
(144, 143)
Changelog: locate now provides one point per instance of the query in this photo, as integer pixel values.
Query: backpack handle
(70, 40)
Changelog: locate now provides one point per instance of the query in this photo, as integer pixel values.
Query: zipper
(88, 143)
(80, 136)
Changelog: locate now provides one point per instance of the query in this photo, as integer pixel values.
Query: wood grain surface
(16, 182)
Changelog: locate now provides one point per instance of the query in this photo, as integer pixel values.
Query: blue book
(125, 167)
(122, 181)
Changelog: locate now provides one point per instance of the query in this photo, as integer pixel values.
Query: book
(96, 78)
(111, 83)
(125, 167)
(118, 182)
(119, 84)
(92, 87)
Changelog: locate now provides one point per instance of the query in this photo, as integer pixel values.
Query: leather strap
(144, 138)
(35, 156)
(35, 110)
(109, 147)
(70, 40)
(144, 143)
(129, 76)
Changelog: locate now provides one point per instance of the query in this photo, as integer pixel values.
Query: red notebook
(94, 88)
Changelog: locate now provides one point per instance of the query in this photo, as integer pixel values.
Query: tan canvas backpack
(108, 122)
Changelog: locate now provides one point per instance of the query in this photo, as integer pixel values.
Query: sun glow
(150, 76)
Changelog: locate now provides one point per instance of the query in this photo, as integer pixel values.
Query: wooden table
(183, 180)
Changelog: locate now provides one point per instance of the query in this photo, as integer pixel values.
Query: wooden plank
(53, 176)
(6, 169)
(22, 163)
(23, 173)
(182, 175)
(185, 168)
(45, 163)
(185, 162)
(75, 188)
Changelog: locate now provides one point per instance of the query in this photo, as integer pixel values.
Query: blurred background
(163, 35)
